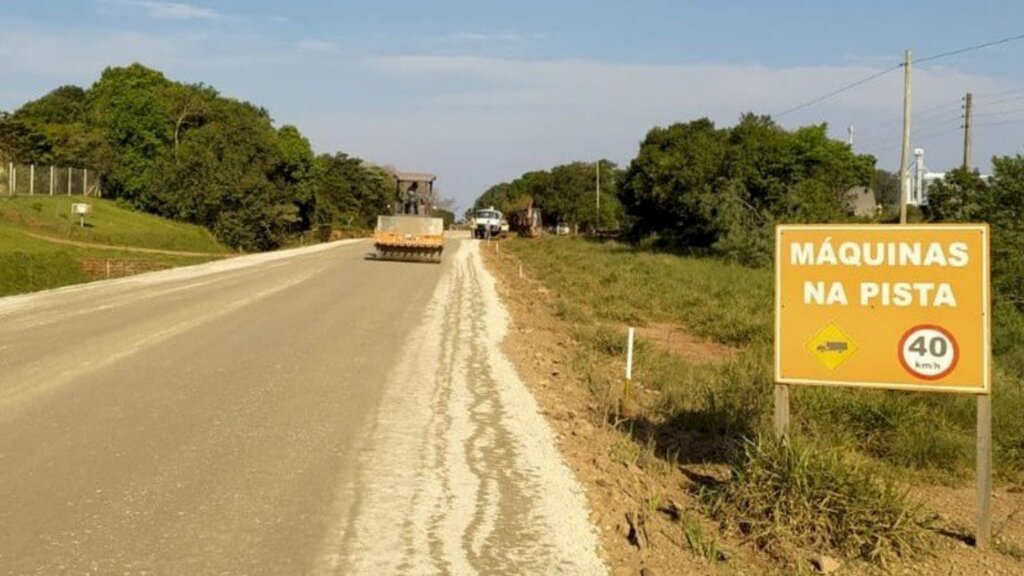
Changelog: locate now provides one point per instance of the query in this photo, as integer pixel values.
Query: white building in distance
(920, 179)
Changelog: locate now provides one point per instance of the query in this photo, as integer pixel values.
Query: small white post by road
(69, 181)
(629, 353)
(629, 364)
(14, 181)
(31, 179)
(51, 180)
(10, 178)
(85, 182)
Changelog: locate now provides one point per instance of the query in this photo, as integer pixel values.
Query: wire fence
(33, 180)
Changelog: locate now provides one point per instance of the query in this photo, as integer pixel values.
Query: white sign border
(986, 387)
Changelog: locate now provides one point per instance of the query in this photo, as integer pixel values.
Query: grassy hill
(107, 224)
(43, 246)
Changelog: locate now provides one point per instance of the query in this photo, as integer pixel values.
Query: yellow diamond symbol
(831, 346)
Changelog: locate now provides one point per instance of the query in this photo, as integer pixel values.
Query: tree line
(695, 187)
(566, 194)
(185, 152)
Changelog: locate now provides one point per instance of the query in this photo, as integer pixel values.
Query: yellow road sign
(883, 306)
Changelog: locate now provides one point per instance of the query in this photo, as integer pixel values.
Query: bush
(783, 493)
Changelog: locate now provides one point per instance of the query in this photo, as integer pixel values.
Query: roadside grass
(788, 494)
(702, 411)
(29, 264)
(110, 223)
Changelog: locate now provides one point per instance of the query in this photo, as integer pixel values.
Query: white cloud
(319, 46)
(170, 10)
(480, 38)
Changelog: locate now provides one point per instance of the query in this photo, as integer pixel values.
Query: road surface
(303, 412)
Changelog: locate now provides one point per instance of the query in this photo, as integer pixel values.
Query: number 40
(936, 346)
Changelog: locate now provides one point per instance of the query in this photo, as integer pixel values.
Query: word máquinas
(895, 254)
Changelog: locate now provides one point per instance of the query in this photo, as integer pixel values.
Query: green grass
(29, 264)
(611, 282)
(109, 223)
(705, 410)
(598, 285)
(785, 494)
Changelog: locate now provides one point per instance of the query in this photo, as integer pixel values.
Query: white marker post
(629, 365)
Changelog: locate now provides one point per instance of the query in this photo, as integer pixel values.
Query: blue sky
(480, 92)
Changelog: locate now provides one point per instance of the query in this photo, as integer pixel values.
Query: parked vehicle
(487, 223)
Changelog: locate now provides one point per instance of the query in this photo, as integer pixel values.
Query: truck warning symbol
(831, 346)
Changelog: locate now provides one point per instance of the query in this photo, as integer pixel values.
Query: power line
(1000, 123)
(999, 112)
(939, 113)
(958, 103)
(1005, 100)
(895, 67)
(877, 137)
(970, 48)
(930, 135)
(995, 94)
(839, 91)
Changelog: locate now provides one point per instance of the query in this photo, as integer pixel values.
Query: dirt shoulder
(643, 507)
(646, 508)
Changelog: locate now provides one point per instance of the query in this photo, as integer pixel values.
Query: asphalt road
(304, 412)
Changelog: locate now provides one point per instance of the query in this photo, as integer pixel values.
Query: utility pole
(905, 153)
(968, 105)
(849, 131)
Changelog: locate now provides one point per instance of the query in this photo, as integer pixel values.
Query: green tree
(887, 187)
(20, 143)
(964, 196)
(670, 187)
(348, 193)
(294, 171)
(127, 107)
(700, 187)
(961, 196)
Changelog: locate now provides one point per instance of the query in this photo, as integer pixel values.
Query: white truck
(487, 223)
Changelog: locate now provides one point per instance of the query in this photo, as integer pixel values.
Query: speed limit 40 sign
(883, 306)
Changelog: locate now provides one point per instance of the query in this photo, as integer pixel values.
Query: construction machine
(527, 222)
(410, 232)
